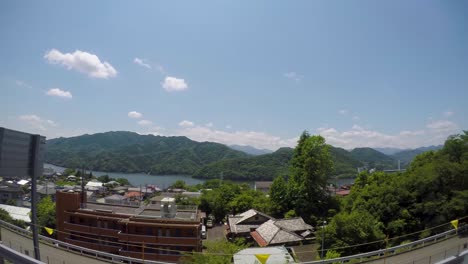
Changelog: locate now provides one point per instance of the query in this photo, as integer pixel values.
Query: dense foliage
(131, 152)
(433, 191)
(305, 193)
(46, 215)
(220, 199)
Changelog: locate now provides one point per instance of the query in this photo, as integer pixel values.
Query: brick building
(153, 232)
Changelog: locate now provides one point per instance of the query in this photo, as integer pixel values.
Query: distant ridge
(122, 151)
(406, 156)
(251, 150)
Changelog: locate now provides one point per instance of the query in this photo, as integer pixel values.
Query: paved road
(430, 254)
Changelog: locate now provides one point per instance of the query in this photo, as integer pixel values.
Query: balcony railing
(160, 240)
(90, 229)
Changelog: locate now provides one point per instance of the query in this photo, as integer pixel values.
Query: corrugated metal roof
(19, 213)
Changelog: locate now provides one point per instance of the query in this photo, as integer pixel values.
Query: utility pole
(37, 171)
(323, 239)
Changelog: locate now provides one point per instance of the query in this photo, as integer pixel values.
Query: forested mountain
(131, 152)
(406, 156)
(263, 167)
(373, 158)
(268, 166)
(251, 150)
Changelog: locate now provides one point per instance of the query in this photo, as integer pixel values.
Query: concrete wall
(49, 254)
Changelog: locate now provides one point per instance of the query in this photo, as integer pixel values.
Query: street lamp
(323, 237)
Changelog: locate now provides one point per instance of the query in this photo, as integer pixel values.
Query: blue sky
(361, 73)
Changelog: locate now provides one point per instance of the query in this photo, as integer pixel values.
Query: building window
(177, 233)
(168, 232)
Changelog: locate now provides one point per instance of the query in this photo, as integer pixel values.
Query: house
(243, 224)
(10, 192)
(115, 199)
(267, 255)
(289, 231)
(263, 186)
(132, 196)
(150, 232)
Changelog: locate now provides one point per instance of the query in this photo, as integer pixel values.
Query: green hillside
(406, 156)
(268, 166)
(262, 167)
(373, 158)
(131, 152)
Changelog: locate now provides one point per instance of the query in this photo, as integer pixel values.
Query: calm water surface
(136, 179)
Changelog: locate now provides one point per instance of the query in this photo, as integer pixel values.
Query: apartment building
(160, 231)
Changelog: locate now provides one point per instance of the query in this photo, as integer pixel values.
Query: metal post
(37, 171)
(323, 238)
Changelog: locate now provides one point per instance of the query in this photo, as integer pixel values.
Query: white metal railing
(60, 245)
(391, 250)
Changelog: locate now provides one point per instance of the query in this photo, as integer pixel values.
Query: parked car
(209, 223)
(203, 232)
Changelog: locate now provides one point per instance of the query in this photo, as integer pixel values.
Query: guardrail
(16, 257)
(382, 252)
(60, 245)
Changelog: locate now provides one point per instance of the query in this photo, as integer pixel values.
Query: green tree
(68, 172)
(46, 214)
(104, 178)
(278, 197)
(311, 166)
(179, 184)
(349, 229)
(122, 181)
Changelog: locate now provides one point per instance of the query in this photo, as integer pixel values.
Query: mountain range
(131, 152)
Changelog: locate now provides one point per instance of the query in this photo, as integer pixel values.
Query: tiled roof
(236, 223)
(248, 214)
(279, 231)
(293, 224)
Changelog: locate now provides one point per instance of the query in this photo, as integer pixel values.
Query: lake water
(136, 179)
(164, 181)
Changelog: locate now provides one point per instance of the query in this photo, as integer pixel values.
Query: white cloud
(442, 126)
(83, 62)
(293, 76)
(343, 112)
(135, 114)
(358, 136)
(59, 93)
(37, 122)
(210, 124)
(144, 123)
(172, 84)
(228, 126)
(23, 84)
(412, 133)
(251, 138)
(142, 62)
(448, 113)
(186, 123)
